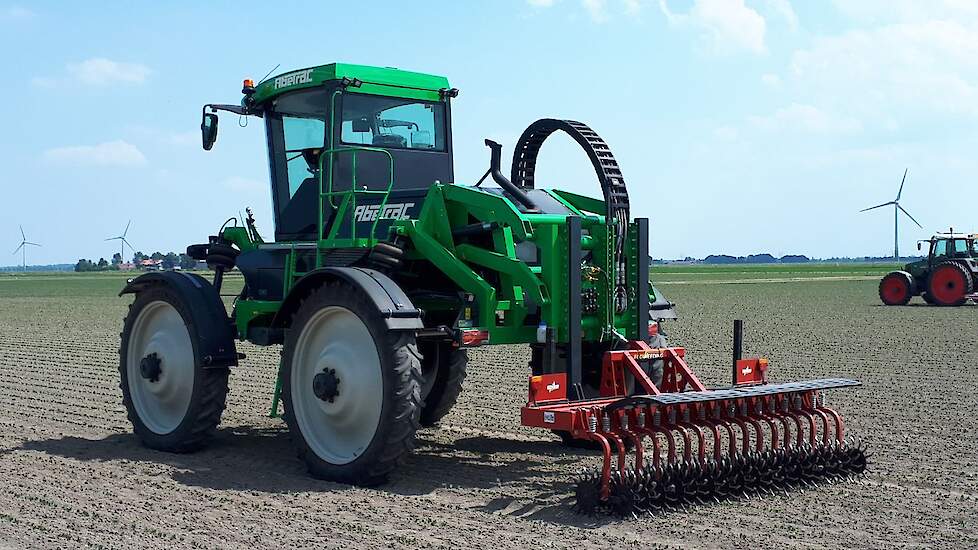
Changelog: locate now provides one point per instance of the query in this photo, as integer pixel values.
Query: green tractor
(947, 277)
(383, 272)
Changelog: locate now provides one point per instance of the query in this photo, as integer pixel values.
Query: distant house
(151, 265)
(127, 266)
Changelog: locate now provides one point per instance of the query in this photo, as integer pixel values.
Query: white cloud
(805, 118)
(16, 12)
(100, 71)
(907, 11)
(96, 71)
(239, 184)
(597, 9)
(183, 139)
(726, 133)
(110, 153)
(729, 25)
(783, 8)
(909, 68)
(44, 82)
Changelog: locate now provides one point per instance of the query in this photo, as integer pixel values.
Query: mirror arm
(236, 109)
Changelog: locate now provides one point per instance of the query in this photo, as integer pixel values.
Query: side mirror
(361, 125)
(918, 245)
(208, 130)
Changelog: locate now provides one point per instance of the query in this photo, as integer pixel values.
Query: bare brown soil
(73, 476)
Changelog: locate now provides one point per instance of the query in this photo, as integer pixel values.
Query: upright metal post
(642, 277)
(738, 345)
(574, 307)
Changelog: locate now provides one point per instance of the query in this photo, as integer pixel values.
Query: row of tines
(707, 452)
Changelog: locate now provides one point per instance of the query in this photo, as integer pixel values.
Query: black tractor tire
(443, 366)
(398, 372)
(896, 288)
(927, 299)
(162, 310)
(949, 284)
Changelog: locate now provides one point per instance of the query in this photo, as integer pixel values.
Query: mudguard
(215, 334)
(662, 308)
(398, 311)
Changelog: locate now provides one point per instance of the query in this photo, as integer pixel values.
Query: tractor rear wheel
(351, 387)
(896, 288)
(443, 367)
(949, 284)
(173, 402)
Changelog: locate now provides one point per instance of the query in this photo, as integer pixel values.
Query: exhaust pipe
(503, 181)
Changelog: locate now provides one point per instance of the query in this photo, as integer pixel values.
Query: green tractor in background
(947, 277)
(383, 272)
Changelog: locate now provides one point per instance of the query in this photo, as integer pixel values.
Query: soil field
(73, 476)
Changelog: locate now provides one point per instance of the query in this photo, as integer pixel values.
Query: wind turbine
(896, 216)
(123, 242)
(24, 243)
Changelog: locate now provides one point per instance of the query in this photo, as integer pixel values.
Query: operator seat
(297, 219)
(390, 140)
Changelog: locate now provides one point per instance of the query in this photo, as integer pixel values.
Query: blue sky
(742, 126)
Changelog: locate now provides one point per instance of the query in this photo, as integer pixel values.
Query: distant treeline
(723, 259)
(35, 268)
(159, 260)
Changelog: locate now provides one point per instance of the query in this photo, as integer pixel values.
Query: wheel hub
(150, 367)
(326, 385)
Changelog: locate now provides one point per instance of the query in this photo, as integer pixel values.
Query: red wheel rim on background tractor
(895, 289)
(948, 285)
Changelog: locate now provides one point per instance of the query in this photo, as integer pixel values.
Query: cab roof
(945, 236)
(388, 81)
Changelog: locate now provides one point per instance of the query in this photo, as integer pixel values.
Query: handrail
(351, 194)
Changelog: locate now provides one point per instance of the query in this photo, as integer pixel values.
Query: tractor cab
(950, 246)
(371, 140)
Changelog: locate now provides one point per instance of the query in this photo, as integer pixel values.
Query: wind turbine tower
(896, 217)
(123, 242)
(24, 243)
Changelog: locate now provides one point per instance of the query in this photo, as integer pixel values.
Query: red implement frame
(682, 418)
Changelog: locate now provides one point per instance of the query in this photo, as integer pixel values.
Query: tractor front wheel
(896, 288)
(351, 387)
(949, 284)
(173, 402)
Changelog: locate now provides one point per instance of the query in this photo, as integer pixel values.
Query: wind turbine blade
(22, 236)
(127, 228)
(18, 248)
(902, 182)
(112, 238)
(32, 244)
(878, 206)
(909, 216)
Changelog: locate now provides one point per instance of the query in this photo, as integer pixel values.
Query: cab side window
(304, 138)
(961, 248)
(940, 249)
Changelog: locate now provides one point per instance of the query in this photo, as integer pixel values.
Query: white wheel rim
(335, 339)
(161, 404)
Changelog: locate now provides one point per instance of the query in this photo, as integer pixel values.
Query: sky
(741, 126)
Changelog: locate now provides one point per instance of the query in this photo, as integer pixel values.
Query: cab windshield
(392, 123)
